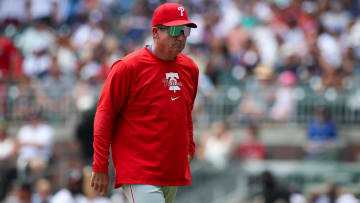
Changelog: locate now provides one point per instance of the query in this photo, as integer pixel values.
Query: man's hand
(100, 182)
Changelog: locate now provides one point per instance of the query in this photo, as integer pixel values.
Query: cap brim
(181, 22)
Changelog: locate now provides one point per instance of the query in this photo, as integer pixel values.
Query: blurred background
(276, 116)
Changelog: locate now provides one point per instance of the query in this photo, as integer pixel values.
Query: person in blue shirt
(322, 136)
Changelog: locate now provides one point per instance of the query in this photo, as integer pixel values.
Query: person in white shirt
(217, 147)
(36, 144)
(13, 10)
(72, 193)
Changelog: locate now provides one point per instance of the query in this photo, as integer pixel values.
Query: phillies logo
(171, 82)
(181, 9)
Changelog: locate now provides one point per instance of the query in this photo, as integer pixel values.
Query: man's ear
(155, 33)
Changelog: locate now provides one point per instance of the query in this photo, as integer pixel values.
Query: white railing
(17, 101)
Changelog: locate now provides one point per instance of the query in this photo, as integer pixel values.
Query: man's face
(173, 45)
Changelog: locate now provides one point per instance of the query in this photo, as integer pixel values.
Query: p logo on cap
(181, 9)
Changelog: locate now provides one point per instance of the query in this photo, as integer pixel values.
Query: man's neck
(166, 56)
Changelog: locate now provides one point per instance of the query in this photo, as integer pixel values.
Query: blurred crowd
(272, 190)
(56, 54)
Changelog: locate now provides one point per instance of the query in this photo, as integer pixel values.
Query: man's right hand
(100, 182)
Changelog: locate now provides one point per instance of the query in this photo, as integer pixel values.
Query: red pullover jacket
(144, 114)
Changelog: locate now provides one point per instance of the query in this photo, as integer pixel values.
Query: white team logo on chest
(171, 81)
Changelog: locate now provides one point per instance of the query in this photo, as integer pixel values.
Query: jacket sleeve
(191, 128)
(113, 97)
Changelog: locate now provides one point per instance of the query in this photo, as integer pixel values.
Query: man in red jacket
(144, 114)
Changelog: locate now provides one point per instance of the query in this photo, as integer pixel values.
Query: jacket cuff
(100, 170)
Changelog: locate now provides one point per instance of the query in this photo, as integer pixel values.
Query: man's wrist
(190, 157)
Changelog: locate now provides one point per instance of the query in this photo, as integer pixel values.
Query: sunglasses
(175, 31)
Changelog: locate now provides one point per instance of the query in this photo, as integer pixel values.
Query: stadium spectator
(217, 62)
(217, 146)
(37, 37)
(335, 193)
(251, 148)
(54, 91)
(272, 190)
(23, 100)
(347, 198)
(73, 191)
(322, 136)
(285, 100)
(45, 10)
(36, 140)
(297, 198)
(38, 64)
(42, 191)
(258, 94)
(20, 192)
(66, 53)
(10, 60)
(85, 94)
(354, 33)
(13, 12)
(331, 194)
(86, 37)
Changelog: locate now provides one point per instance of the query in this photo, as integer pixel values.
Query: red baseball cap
(171, 14)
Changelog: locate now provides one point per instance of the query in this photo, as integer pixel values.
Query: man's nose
(181, 36)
